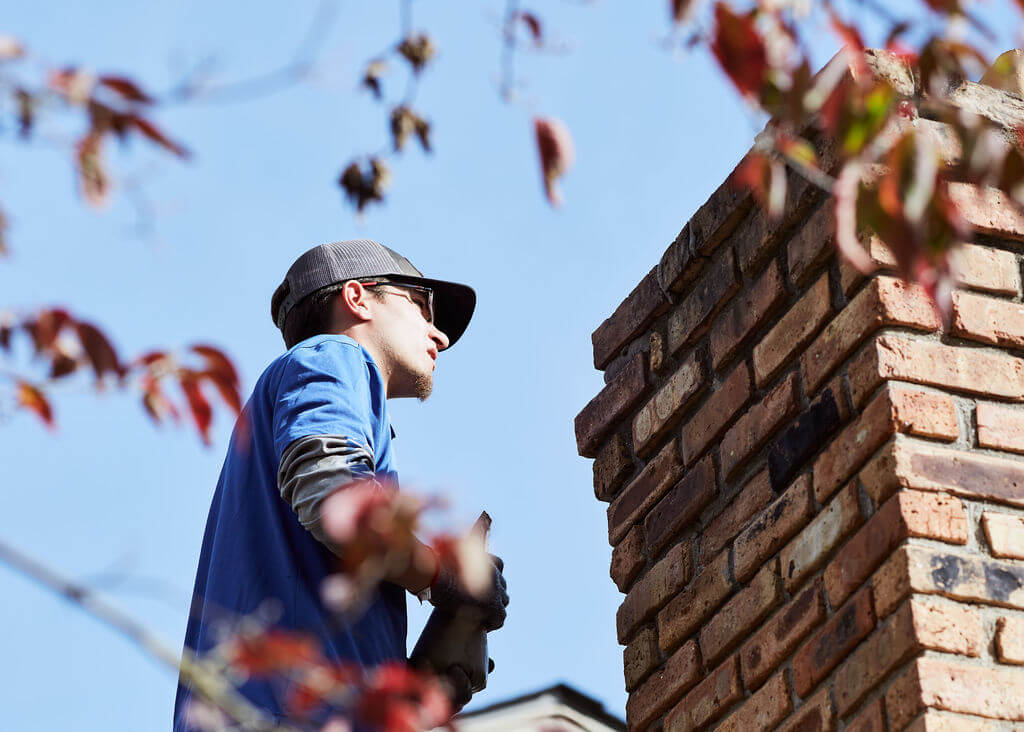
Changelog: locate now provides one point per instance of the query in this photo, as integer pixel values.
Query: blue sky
(114, 501)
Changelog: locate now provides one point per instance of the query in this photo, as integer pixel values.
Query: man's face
(407, 340)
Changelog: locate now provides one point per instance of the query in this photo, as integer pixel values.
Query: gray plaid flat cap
(338, 261)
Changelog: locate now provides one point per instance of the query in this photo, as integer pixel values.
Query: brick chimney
(816, 495)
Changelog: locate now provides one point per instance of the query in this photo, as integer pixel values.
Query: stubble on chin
(423, 386)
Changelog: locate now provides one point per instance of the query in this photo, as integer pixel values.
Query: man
(361, 325)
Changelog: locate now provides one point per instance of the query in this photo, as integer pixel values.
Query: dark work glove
(459, 687)
(448, 594)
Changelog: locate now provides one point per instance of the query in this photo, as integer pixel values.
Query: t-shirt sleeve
(324, 390)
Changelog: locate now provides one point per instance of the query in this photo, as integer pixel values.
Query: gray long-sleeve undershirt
(312, 468)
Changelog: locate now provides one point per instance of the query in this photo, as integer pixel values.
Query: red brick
(1005, 534)
(630, 319)
(640, 657)
(868, 548)
(988, 210)
(628, 558)
(825, 649)
(966, 577)
(896, 408)
(664, 687)
(853, 446)
(814, 715)
(753, 497)
(692, 317)
(999, 427)
(948, 627)
(681, 261)
(909, 513)
(793, 331)
(807, 434)
(758, 423)
(763, 710)
(653, 590)
(614, 401)
(969, 370)
(717, 411)
(872, 719)
(612, 466)
(747, 313)
(988, 320)
(665, 408)
(712, 696)
(718, 217)
(881, 259)
(910, 464)
(984, 268)
(656, 355)
(873, 660)
(681, 505)
(1010, 639)
(767, 648)
(890, 584)
(643, 492)
(687, 610)
(811, 244)
(805, 553)
(924, 413)
(758, 235)
(741, 614)
(772, 528)
(936, 721)
(903, 699)
(885, 301)
(958, 687)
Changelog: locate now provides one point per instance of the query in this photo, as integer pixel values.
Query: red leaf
(93, 180)
(322, 685)
(554, 144)
(157, 405)
(99, 350)
(126, 88)
(740, 50)
(150, 358)
(532, 23)
(35, 401)
(149, 130)
(272, 651)
(853, 43)
(228, 390)
(217, 361)
(46, 327)
(399, 699)
(681, 10)
(62, 365)
(845, 193)
(197, 403)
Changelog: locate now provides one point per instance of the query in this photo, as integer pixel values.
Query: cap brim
(453, 304)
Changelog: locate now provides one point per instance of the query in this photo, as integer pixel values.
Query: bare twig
(206, 682)
(295, 70)
(508, 50)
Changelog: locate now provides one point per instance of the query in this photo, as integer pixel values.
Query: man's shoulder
(328, 354)
(324, 349)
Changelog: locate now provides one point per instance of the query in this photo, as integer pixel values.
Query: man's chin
(423, 386)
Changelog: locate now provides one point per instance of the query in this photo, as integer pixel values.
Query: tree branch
(295, 70)
(207, 682)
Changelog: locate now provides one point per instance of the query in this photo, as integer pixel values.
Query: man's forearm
(420, 572)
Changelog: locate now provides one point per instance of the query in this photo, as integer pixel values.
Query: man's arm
(314, 467)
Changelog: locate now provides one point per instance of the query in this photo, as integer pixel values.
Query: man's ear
(352, 303)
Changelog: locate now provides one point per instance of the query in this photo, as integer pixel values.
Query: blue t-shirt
(255, 550)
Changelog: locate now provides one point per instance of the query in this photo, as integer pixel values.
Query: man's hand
(448, 594)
